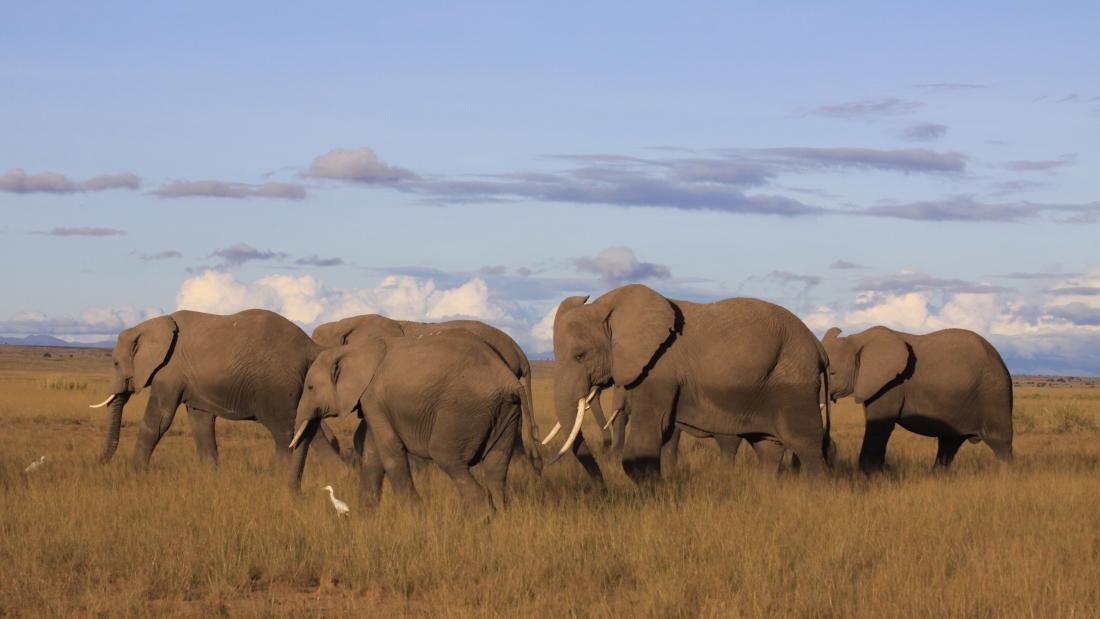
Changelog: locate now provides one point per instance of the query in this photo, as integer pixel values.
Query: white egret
(341, 507)
(33, 465)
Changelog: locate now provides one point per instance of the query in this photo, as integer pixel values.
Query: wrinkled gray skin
(950, 384)
(446, 397)
(733, 368)
(357, 329)
(248, 365)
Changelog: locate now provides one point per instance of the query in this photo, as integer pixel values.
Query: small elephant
(950, 384)
(670, 453)
(248, 365)
(733, 368)
(446, 397)
(358, 329)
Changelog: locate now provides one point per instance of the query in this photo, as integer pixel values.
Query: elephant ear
(639, 322)
(883, 356)
(148, 346)
(353, 371)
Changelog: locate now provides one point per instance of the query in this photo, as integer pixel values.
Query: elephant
(447, 397)
(360, 328)
(734, 368)
(950, 384)
(248, 365)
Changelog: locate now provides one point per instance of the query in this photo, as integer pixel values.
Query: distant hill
(49, 340)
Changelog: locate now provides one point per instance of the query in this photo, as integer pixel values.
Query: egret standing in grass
(341, 507)
(33, 465)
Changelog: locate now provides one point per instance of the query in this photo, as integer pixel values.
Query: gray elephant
(447, 397)
(950, 384)
(360, 328)
(248, 365)
(733, 368)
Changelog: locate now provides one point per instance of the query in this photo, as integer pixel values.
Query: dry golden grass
(185, 539)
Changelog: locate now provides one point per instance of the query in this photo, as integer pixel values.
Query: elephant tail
(527, 415)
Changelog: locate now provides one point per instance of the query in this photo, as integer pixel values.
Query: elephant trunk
(527, 414)
(582, 405)
(114, 425)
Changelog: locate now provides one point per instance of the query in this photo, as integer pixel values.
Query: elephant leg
(477, 499)
(949, 446)
(394, 456)
(159, 413)
(1001, 449)
(495, 465)
(769, 454)
(618, 433)
(587, 459)
(371, 470)
(202, 428)
(331, 443)
(601, 420)
(872, 455)
(361, 439)
(727, 449)
(670, 452)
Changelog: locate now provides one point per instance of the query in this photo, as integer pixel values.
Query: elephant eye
(579, 356)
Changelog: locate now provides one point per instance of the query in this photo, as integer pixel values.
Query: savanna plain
(187, 539)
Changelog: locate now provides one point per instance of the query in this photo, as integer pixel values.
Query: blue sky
(441, 160)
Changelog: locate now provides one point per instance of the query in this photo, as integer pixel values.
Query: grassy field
(190, 540)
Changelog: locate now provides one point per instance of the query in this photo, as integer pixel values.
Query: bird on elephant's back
(950, 384)
(248, 365)
(733, 368)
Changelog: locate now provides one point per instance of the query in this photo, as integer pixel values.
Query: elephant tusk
(105, 402)
(581, 407)
(298, 434)
(553, 433)
(611, 420)
(591, 394)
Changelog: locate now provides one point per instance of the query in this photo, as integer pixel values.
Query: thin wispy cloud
(923, 132)
(160, 255)
(845, 265)
(950, 86)
(967, 209)
(241, 253)
(18, 180)
(317, 261)
(92, 231)
(226, 189)
(868, 109)
(1041, 165)
(900, 283)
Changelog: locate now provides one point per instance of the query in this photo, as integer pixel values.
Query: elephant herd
(459, 393)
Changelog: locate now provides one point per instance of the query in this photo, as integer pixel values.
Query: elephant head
(140, 351)
(611, 341)
(862, 364)
(333, 385)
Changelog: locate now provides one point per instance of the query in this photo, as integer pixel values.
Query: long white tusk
(298, 434)
(110, 399)
(576, 425)
(553, 433)
(612, 419)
